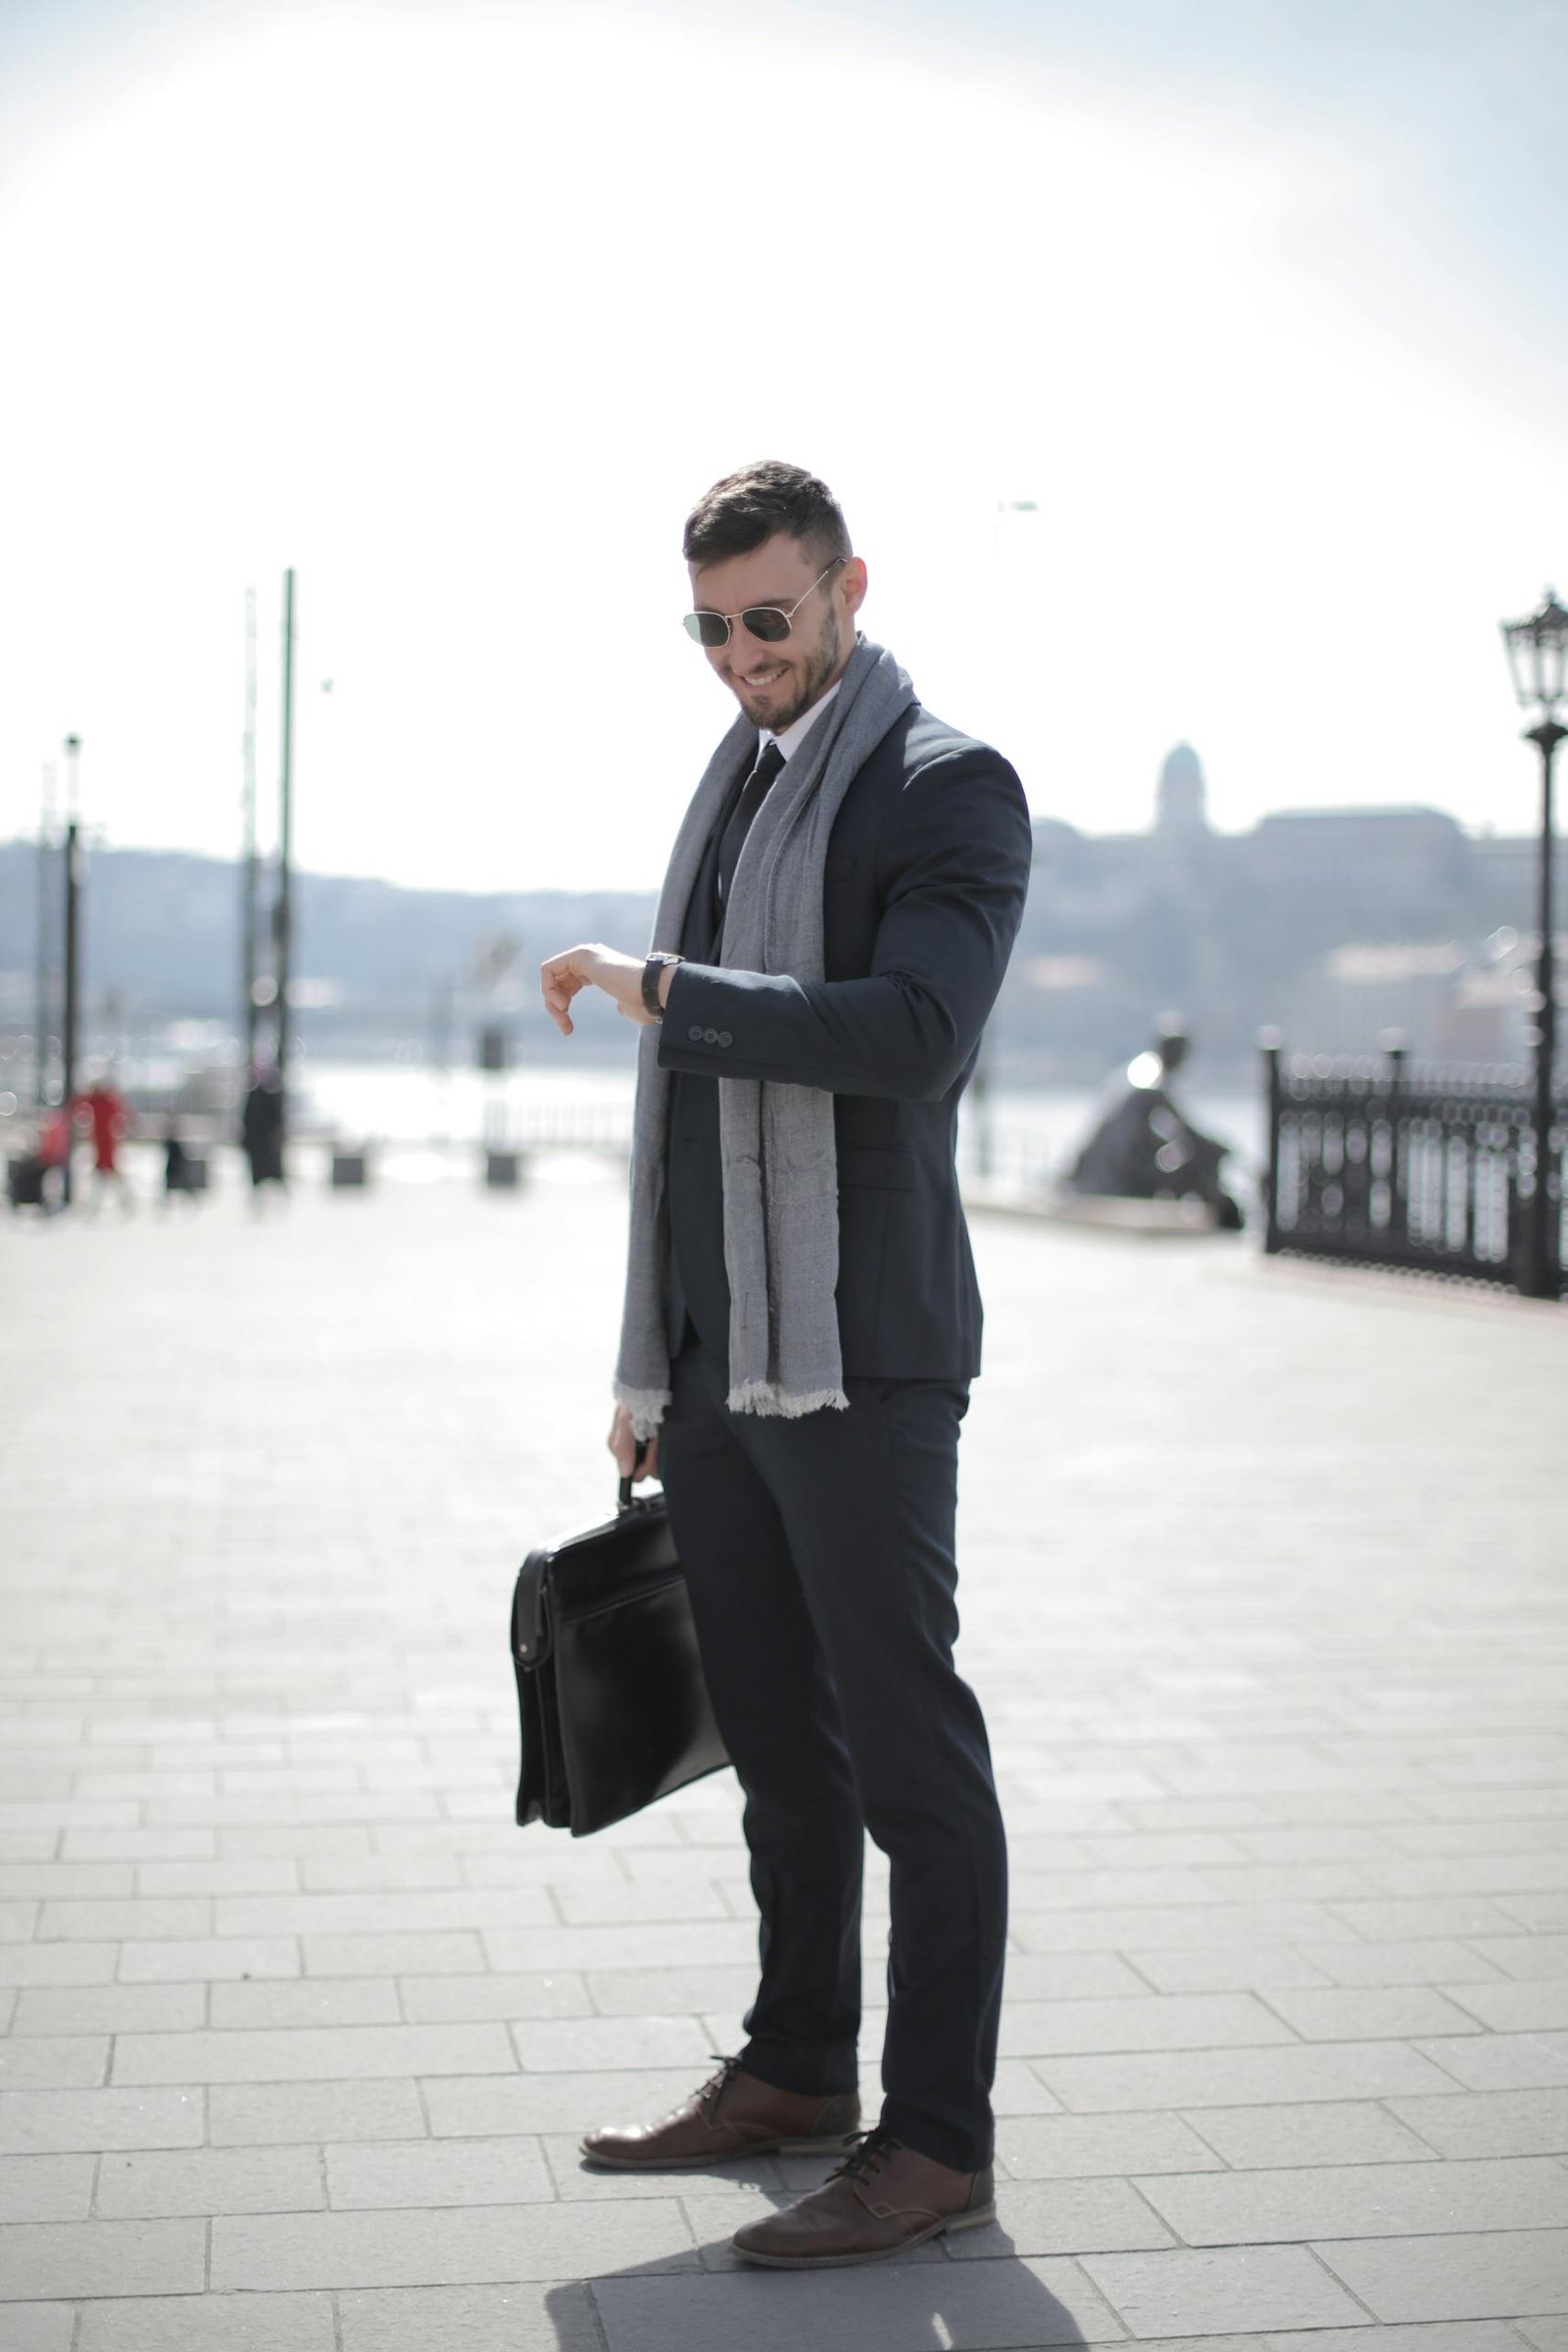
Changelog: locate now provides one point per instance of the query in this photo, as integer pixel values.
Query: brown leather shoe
(883, 2198)
(733, 2115)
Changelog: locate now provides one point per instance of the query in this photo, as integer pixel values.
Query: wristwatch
(650, 970)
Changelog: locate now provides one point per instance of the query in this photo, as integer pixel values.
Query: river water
(1032, 1131)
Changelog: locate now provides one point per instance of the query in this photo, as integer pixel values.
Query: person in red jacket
(108, 1118)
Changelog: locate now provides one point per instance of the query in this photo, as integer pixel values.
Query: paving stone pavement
(1264, 1596)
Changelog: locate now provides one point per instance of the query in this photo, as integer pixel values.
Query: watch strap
(650, 970)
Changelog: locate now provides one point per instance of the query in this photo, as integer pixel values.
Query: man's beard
(824, 659)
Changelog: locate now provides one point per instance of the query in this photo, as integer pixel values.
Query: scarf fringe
(765, 1396)
(645, 1405)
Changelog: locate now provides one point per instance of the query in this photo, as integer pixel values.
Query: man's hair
(747, 508)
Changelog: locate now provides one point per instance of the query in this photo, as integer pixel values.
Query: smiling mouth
(761, 680)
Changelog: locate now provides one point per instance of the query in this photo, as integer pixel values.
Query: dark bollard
(1271, 1046)
(350, 1171)
(503, 1171)
(25, 1174)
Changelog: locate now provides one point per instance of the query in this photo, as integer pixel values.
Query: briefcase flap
(599, 1567)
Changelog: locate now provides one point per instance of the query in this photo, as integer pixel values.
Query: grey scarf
(781, 1224)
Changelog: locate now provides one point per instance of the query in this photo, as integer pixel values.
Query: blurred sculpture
(1144, 1148)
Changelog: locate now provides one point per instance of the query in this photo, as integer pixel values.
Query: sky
(1187, 370)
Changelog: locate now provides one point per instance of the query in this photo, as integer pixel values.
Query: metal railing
(1381, 1162)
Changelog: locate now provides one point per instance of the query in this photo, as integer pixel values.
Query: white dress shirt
(790, 742)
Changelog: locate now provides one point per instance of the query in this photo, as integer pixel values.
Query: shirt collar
(790, 742)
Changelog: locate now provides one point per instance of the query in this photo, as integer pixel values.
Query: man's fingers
(560, 981)
(623, 1446)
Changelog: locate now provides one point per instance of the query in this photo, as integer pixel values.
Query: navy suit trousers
(819, 1557)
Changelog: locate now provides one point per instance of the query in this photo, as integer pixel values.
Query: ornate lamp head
(1538, 656)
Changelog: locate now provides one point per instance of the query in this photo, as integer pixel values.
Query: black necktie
(752, 792)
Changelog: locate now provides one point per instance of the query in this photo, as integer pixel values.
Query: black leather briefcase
(610, 1686)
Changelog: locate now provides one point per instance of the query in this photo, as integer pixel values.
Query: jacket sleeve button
(725, 1038)
(709, 1037)
(696, 1036)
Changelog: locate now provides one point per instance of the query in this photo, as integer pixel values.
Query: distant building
(1333, 924)
(1396, 862)
(1505, 871)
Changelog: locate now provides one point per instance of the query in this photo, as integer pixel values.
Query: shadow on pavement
(924, 2301)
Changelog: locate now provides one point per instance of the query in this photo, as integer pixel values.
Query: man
(802, 1325)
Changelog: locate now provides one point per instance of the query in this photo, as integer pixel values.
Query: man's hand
(623, 1446)
(596, 967)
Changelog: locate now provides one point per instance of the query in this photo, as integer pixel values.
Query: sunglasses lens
(707, 628)
(768, 622)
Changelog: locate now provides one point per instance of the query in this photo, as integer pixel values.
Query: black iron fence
(1384, 1162)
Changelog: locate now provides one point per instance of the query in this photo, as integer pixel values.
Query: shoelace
(867, 2158)
(712, 2092)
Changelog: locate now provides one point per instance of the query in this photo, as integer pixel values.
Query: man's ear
(853, 584)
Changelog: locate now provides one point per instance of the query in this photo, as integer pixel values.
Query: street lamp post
(284, 909)
(1538, 656)
(71, 1007)
(250, 870)
(45, 1016)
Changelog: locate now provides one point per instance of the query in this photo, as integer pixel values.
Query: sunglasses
(767, 621)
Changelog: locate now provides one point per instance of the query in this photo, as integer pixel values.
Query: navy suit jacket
(926, 871)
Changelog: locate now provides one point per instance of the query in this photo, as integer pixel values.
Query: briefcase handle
(626, 1500)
